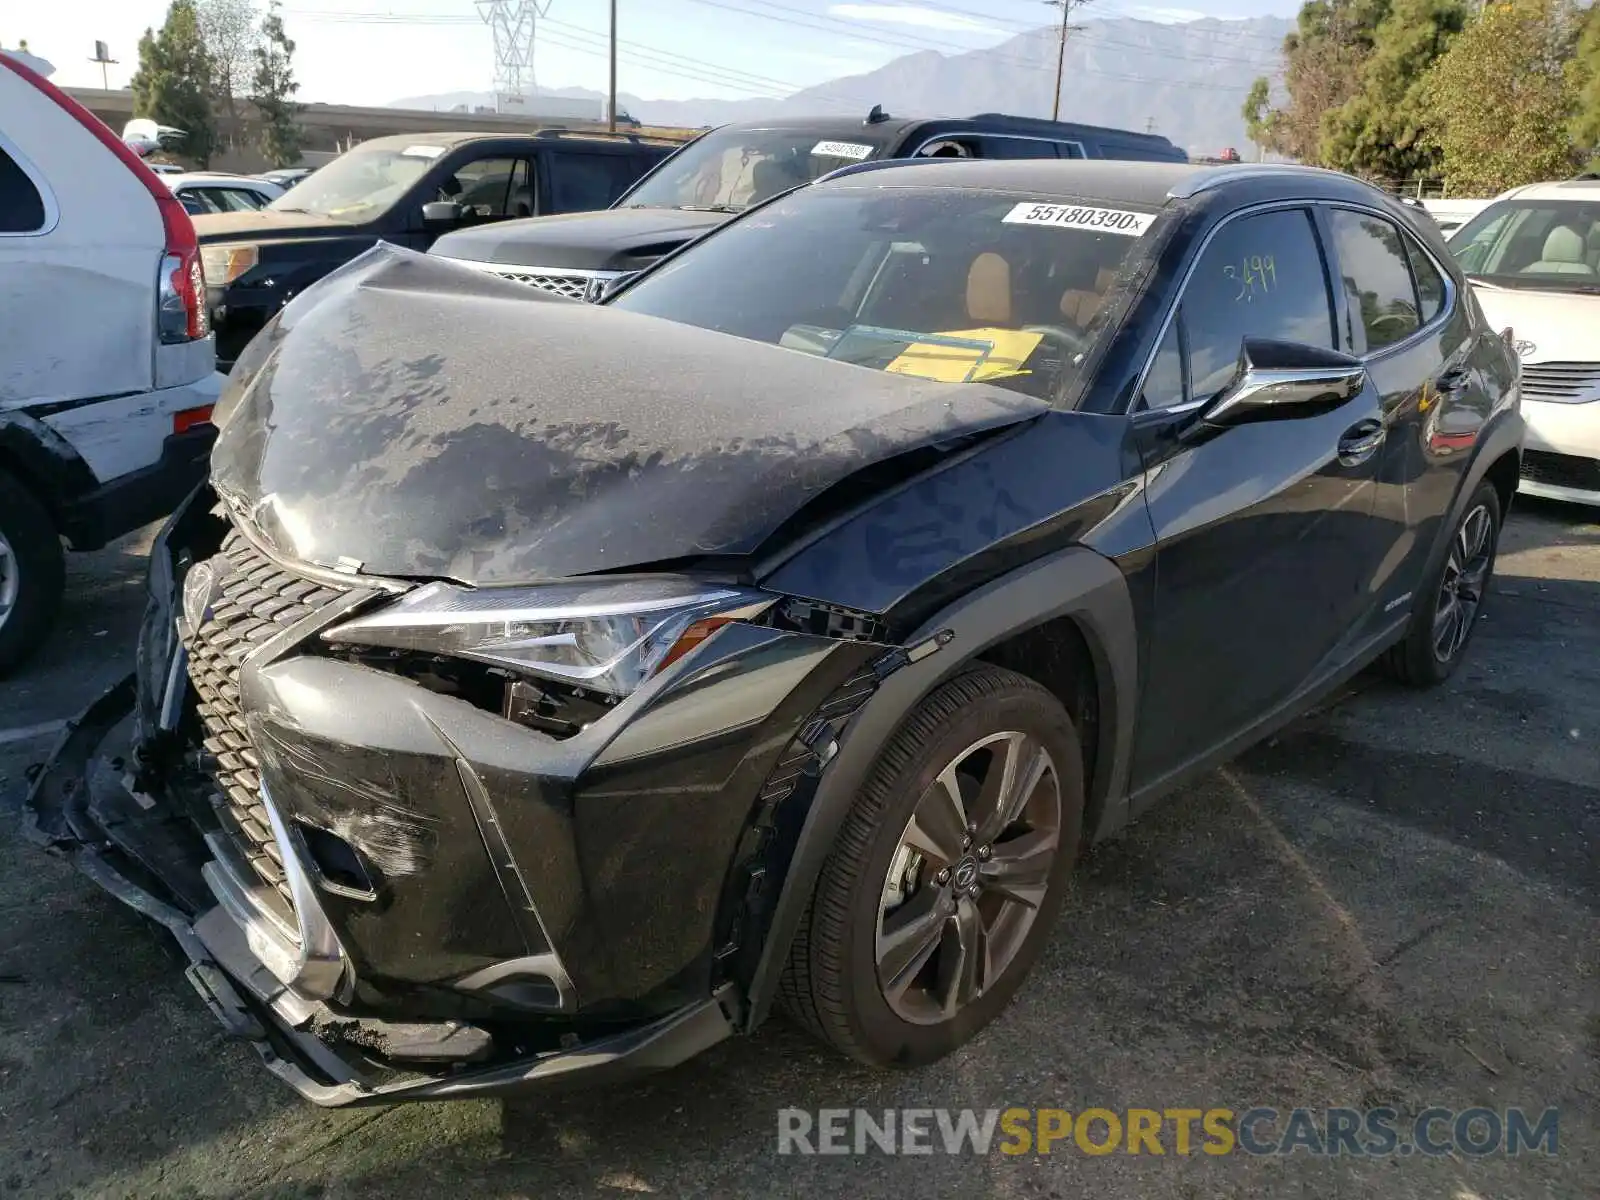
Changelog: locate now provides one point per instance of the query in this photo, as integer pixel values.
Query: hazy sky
(374, 51)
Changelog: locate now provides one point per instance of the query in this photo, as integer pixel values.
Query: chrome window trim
(1017, 137)
(1183, 285)
(47, 197)
(1445, 308)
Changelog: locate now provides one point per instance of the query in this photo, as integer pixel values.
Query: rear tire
(1016, 764)
(1445, 612)
(32, 572)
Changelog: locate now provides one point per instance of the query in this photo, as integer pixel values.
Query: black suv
(406, 190)
(540, 689)
(728, 169)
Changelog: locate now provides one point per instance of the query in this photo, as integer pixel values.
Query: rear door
(1264, 531)
(585, 178)
(80, 249)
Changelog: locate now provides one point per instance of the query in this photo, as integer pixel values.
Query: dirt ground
(1397, 901)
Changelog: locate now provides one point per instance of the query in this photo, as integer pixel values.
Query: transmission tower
(513, 24)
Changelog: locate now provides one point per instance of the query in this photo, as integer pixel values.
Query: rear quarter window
(21, 206)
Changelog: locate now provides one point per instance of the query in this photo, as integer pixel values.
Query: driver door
(1264, 531)
(495, 187)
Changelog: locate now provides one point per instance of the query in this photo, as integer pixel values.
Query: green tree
(231, 35)
(1260, 121)
(1382, 129)
(173, 83)
(1323, 62)
(273, 92)
(1502, 98)
(1585, 68)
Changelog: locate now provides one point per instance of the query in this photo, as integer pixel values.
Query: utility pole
(1061, 52)
(612, 106)
(1150, 125)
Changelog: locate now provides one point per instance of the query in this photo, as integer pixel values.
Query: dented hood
(420, 418)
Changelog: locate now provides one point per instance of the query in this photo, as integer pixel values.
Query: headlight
(606, 636)
(223, 264)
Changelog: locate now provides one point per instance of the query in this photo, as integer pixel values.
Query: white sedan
(1533, 257)
(215, 192)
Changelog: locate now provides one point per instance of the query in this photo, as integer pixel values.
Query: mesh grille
(573, 287)
(1561, 470)
(257, 601)
(1563, 382)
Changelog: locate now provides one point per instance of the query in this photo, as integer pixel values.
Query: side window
(1070, 150)
(1164, 383)
(485, 187)
(1430, 284)
(1262, 277)
(582, 181)
(21, 206)
(1377, 280)
(996, 146)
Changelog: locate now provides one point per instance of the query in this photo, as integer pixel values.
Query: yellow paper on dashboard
(968, 364)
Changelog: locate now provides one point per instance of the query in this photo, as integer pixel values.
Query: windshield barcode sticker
(852, 150)
(1070, 216)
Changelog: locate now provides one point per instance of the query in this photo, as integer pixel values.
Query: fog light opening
(339, 868)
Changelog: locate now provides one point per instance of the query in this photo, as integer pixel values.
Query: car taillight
(181, 307)
(183, 283)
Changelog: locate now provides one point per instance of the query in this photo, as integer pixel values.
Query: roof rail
(556, 132)
(1043, 124)
(1215, 176)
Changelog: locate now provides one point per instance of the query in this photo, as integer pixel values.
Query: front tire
(946, 877)
(32, 572)
(1445, 612)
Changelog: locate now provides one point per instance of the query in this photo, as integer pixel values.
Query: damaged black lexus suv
(538, 690)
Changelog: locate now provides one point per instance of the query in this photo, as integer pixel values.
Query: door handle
(1452, 380)
(1361, 441)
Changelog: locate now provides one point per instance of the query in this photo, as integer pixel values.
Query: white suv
(107, 369)
(1533, 256)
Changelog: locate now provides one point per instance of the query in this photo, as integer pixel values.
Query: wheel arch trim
(1077, 583)
(43, 461)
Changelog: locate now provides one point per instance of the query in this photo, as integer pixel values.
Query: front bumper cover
(81, 807)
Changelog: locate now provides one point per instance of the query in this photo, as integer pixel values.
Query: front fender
(1076, 583)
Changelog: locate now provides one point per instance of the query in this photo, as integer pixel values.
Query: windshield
(958, 286)
(735, 168)
(1550, 245)
(361, 184)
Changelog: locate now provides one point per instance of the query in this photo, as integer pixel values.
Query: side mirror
(611, 286)
(437, 213)
(1285, 379)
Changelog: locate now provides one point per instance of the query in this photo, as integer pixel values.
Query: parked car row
(542, 690)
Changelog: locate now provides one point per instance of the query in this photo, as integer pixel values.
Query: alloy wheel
(1466, 574)
(968, 876)
(10, 581)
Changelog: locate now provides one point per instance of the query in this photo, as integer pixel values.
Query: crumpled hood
(425, 419)
(1559, 325)
(614, 239)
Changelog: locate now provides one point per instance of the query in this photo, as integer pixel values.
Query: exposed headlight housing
(226, 262)
(606, 636)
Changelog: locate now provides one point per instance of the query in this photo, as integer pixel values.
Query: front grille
(1561, 382)
(256, 601)
(1561, 470)
(573, 287)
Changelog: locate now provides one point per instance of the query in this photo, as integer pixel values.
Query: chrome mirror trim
(1258, 390)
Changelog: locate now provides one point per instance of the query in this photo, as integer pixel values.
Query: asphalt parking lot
(1395, 902)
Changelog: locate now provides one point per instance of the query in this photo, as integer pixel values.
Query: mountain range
(1186, 81)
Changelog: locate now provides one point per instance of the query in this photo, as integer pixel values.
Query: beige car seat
(1563, 255)
(989, 290)
(1080, 306)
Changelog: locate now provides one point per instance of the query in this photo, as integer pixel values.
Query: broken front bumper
(82, 806)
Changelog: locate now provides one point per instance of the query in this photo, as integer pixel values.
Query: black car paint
(629, 238)
(1059, 521)
(378, 430)
(297, 248)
